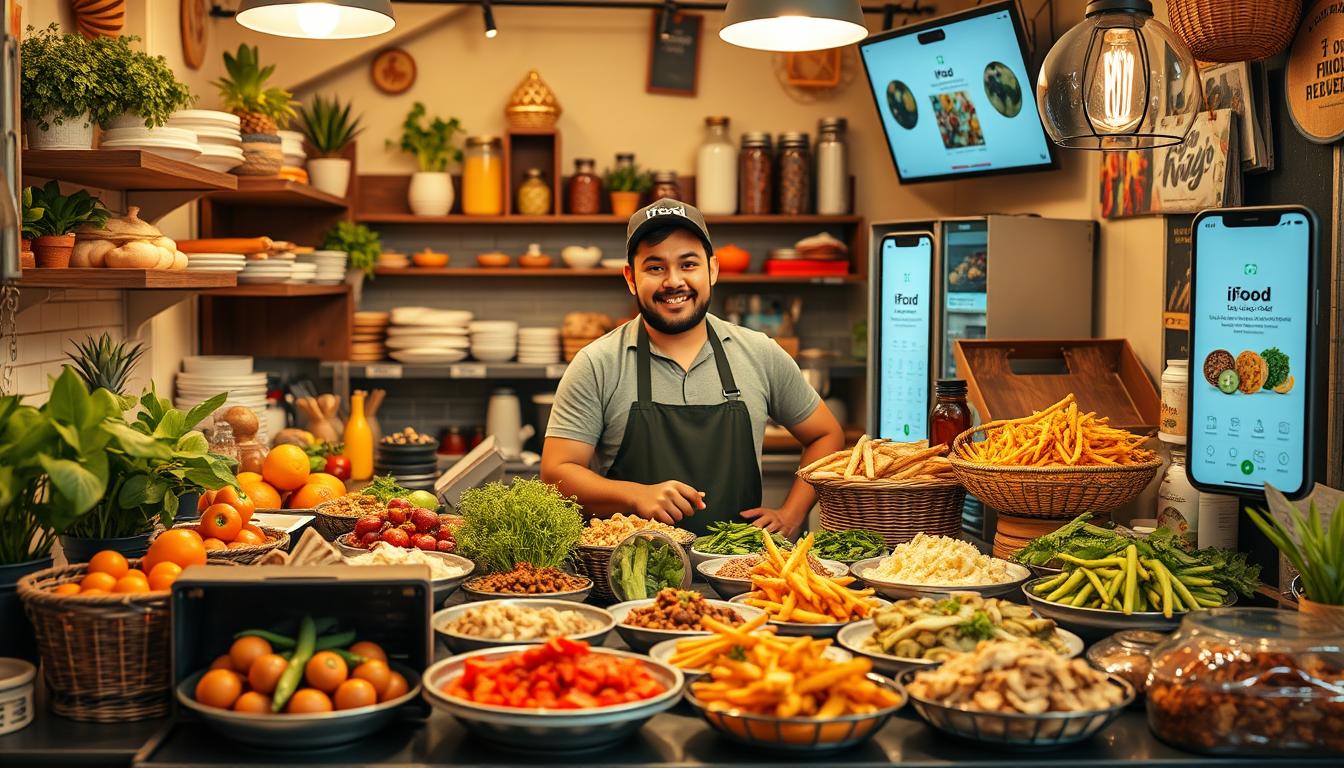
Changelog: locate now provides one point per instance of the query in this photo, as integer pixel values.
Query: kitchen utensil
(504, 421)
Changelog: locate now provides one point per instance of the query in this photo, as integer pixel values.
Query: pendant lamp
(792, 25)
(317, 19)
(1119, 80)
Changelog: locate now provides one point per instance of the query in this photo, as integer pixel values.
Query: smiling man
(674, 403)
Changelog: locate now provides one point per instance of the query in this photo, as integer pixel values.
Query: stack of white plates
(303, 273)
(330, 266)
(206, 376)
(262, 271)
(175, 143)
(427, 335)
(539, 346)
(215, 262)
(291, 145)
(494, 341)
(216, 133)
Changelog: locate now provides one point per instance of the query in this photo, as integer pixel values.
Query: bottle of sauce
(1178, 501)
(832, 168)
(585, 188)
(950, 415)
(483, 177)
(358, 440)
(716, 170)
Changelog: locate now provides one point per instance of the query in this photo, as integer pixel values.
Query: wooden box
(524, 149)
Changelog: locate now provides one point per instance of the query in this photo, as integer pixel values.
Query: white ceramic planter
(431, 193)
(329, 174)
(127, 120)
(72, 133)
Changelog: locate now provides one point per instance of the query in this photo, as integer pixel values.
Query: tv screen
(955, 97)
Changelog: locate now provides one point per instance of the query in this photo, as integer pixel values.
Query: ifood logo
(679, 210)
(901, 298)
(1250, 269)
(1237, 293)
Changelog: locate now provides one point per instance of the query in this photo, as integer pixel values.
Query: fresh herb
(527, 521)
(361, 244)
(60, 77)
(1315, 548)
(1078, 537)
(725, 538)
(644, 567)
(849, 546)
(1277, 363)
(949, 607)
(139, 84)
(978, 627)
(384, 488)
(431, 145)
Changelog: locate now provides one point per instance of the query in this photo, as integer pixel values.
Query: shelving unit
(280, 290)
(519, 273)
(472, 369)
(155, 183)
(313, 321)
(254, 190)
(575, 219)
(124, 279)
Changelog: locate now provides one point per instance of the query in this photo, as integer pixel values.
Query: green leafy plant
(104, 363)
(60, 78)
(139, 84)
(628, 178)
(32, 214)
(1315, 549)
(328, 126)
(358, 241)
(63, 214)
(245, 92)
(432, 145)
(527, 521)
(1277, 362)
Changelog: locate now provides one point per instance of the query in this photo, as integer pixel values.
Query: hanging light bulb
(792, 25)
(488, 15)
(317, 19)
(1114, 87)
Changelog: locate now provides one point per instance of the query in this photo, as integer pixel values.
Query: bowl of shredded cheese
(446, 570)
(935, 564)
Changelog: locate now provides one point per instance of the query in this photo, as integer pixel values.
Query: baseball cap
(663, 212)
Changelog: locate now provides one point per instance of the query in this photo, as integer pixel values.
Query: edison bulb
(1111, 95)
(318, 19)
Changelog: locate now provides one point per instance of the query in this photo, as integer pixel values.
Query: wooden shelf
(125, 279)
(253, 190)
(520, 273)
(281, 290)
(602, 218)
(474, 369)
(122, 169)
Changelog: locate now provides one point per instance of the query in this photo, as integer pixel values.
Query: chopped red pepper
(561, 674)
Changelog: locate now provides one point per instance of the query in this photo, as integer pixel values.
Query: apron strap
(730, 390)
(644, 360)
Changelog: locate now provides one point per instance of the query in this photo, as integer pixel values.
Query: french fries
(787, 589)
(1058, 436)
(880, 459)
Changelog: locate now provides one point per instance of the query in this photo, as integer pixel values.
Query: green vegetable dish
(528, 521)
(849, 546)
(642, 566)
(736, 539)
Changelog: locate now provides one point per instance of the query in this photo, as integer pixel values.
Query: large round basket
(331, 525)
(275, 539)
(1244, 30)
(897, 509)
(594, 562)
(105, 658)
(1050, 491)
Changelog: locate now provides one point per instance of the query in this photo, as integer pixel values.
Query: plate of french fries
(686, 653)
(799, 601)
(876, 459)
(1060, 436)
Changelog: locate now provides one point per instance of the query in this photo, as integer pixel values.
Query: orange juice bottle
(358, 440)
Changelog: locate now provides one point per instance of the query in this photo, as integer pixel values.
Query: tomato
(265, 672)
(175, 545)
(369, 650)
(307, 701)
(238, 501)
(338, 466)
(246, 650)
(253, 703)
(219, 688)
(376, 672)
(248, 538)
(109, 561)
(325, 671)
(396, 687)
(355, 693)
(207, 498)
(562, 673)
(221, 521)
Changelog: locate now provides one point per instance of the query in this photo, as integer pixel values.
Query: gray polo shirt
(594, 397)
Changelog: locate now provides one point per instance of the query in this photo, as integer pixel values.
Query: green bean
(1067, 588)
(276, 640)
(1114, 589)
(1050, 583)
(1163, 578)
(293, 674)
(1139, 568)
(1153, 598)
(1108, 573)
(1131, 578)
(1196, 581)
(351, 659)
(1198, 570)
(338, 640)
(1082, 596)
(1096, 582)
(1184, 592)
(1103, 562)
(325, 624)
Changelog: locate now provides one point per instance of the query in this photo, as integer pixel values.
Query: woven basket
(1241, 30)
(275, 539)
(594, 562)
(332, 527)
(897, 509)
(105, 658)
(1053, 492)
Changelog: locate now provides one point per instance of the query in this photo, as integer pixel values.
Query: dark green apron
(708, 447)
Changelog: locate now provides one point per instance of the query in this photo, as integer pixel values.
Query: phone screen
(904, 312)
(1249, 376)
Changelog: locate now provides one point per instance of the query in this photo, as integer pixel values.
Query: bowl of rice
(928, 565)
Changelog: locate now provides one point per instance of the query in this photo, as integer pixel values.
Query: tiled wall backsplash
(48, 330)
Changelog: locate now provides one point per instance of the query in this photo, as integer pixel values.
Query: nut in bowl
(512, 621)
(525, 580)
(672, 614)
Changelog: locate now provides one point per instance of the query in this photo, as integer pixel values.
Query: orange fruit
(265, 672)
(249, 539)
(396, 687)
(253, 703)
(262, 494)
(69, 588)
(221, 521)
(238, 501)
(285, 467)
(98, 580)
(246, 650)
(369, 650)
(376, 672)
(355, 693)
(212, 544)
(175, 545)
(248, 477)
(222, 662)
(331, 481)
(163, 576)
(256, 530)
(131, 584)
(310, 495)
(137, 572)
(207, 498)
(109, 561)
(219, 688)
(308, 701)
(92, 591)
(325, 671)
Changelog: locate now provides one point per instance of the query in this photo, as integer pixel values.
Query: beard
(657, 321)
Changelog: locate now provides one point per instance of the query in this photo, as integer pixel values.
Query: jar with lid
(1172, 417)
(795, 174)
(483, 176)
(1178, 500)
(1128, 654)
(1246, 680)
(832, 167)
(534, 195)
(585, 188)
(451, 442)
(222, 441)
(625, 160)
(951, 415)
(665, 184)
(755, 176)
(716, 170)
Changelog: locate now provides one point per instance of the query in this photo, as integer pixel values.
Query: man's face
(671, 282)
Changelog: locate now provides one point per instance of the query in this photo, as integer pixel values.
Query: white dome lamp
(792, 25)
(317, 19)
(1119, 80)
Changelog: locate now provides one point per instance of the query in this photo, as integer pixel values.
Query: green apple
(424, 499)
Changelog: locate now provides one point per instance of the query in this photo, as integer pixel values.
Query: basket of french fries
(1058, 462)
(895, 489)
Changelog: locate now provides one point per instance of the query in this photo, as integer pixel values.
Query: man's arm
(565, 463)
(820, 435)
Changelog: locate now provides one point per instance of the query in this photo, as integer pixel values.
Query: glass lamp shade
(792, 25)
(317, 19)
(1119, 80)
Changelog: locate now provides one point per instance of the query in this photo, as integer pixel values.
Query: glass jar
(1128, 654)
(950, 415)
(534, 195)
(716, 170)
(222, 441)
(483, 177)
(585, 188)
(755, 175)
(832, 167)
(1178, 500)
(665, 184)
(795, 174)
(1249, 680)
(1172, 417)
(625, 160)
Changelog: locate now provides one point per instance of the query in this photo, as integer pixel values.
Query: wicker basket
(1219, 30)
(1055, 492)
(897, 509)
(275, 539)
(594, 562)
(105, 658)
(332, 527)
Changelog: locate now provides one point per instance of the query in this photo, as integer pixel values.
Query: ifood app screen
(1247, 381)
(905, 313)
(961, 104)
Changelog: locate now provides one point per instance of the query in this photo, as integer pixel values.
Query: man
(674, 403)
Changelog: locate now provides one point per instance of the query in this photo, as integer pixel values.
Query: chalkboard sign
(674, 62)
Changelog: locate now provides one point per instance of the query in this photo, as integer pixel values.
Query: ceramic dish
(1094, 622)
(853, 636)
(797, 629)
(729, 588)
(864, 571)
(664, 651)
(641, 639)
(460, 643)
(572, 596)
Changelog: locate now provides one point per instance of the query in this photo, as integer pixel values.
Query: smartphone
(1253, 315)
(901, 319)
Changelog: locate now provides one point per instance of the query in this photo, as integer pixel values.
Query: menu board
(904, 336)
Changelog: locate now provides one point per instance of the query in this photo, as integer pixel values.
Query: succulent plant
(105, 363)
(327, 125)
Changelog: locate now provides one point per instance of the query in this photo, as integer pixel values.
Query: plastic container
(1128, 654)
(716, 170)
(1172, 416)
(1246, 680)
(1178, 500)
(16, 694)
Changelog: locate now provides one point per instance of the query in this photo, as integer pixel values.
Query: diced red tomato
(561, 674)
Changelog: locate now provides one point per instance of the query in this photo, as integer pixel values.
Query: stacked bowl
(291, 148)
(427, 335)
(494, 341)
(266, 271)
(413, 466)
(330, 266)
(129, 132)
(216, 262)
(539, 346)
(302, 272)
(205, 376)
(216, 134)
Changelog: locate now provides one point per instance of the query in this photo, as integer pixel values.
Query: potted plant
(259, 110)
(431, 191)
(329, 129)
(626, 185)
(360, 244)
(105, 364)
(61, 216)
(31, 215)
(25, 543)
(144, 90)
(1314, 547)
(60, 89)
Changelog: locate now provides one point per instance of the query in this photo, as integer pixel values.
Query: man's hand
(667, 502)
(774, 520)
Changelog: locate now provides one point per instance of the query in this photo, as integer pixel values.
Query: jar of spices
(534, 195)
(451, 442)
(483, 177)
(795, 174)
(950, 415)
(755, 177)
(716, 170)
(832, 167)
(585, 188)
(665, 185)
(1129, 654)
(1172, 418)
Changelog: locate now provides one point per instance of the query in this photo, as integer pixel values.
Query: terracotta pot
(624, 204)
(1333, 614)
(26, 260)
(53, 251)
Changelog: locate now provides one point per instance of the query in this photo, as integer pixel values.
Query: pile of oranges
(110, 573)
(226, 520)
(286, 481)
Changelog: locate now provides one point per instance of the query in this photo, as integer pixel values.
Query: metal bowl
(864, 570)
(442, 588)
(664, 651)
(294, 732)
(854, 636)
(1093, 622)
(798, 629)
(460, 643)
(729, 588)
(550, 730)
(798, 734)
(573, 596)
(1050, 729)
(641, 639)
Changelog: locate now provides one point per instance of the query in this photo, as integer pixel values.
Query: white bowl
(863, 571)
(427, 342)
(218, 365)
(216, 163)
(578, 257)
(493, 357)
(459, 643)
(207, 116)
(500, 326)
(853, 636)
(614, 263)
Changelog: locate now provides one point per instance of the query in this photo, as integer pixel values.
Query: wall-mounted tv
(955, 97)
